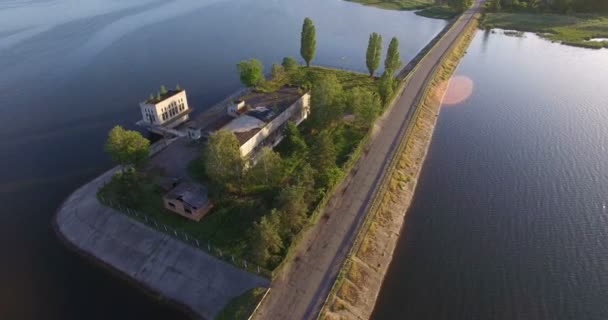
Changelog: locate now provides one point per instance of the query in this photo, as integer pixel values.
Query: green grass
(396, 4)
(346, 139)
(227, 226)
(348, 79)
(196, 170)
(438, 12)
(569, 29)
(304, 76)
(242, 306)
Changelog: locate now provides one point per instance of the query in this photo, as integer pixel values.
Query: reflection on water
(508, 220)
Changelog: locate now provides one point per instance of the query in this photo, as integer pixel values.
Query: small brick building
(189, 200)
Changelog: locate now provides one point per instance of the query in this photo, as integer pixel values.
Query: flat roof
(275, 102)
(244, 123)
(267, 105)
(193, 194)
(169, 94)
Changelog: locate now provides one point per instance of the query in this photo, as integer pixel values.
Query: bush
(290, 64)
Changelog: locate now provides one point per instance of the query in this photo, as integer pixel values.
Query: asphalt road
(301, 288)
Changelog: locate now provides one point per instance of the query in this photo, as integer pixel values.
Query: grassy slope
(242, 306)
(351, 291)
(569, 29)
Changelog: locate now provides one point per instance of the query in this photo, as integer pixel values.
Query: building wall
(169, 107)
(297, 112)
(179, 208)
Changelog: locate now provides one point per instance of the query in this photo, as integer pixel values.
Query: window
(188, 211)
(171, 204)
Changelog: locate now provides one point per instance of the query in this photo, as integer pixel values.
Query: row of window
(150, 115)
(173, 110)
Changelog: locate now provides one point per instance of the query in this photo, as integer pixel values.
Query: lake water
(71, 69)
(510, 219)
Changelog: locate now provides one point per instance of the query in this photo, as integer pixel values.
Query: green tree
(268, 170)
(251, 72)
(304, 177)
(323, 152)
(277, 71)
(163, 90)
(374, 53)
(177, 87)
(393, 60)
(326, 102)
(127, 147)
(266, 242)
(223, 162)
(460, 5)
(365, 105)
(386, 85)
(329, 178)
(294, 141)
(292, 203)
(290, 64)
(308, 41)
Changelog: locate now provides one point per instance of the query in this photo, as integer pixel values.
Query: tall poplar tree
(385, 85)
(374, 53)
(393, 60)
(308, 43)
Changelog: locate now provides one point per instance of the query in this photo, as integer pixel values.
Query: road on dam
(301, 287)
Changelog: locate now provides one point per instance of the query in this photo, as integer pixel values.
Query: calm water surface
(71, 69)
(510, 219)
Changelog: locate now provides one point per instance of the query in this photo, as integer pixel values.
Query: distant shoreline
(574, 30)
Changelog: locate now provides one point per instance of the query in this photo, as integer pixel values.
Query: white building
(258, 119)
(169, 111)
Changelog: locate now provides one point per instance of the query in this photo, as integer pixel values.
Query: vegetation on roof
(162, 94)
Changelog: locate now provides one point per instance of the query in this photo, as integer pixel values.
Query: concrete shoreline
(184, 276)
(361, 277)
(217, 281)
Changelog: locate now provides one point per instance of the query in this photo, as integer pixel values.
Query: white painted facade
(234, 108)
(297, 112)
(168, 112)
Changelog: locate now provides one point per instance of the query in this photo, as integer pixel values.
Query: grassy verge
(573, 30)
(354, 292)
(396, 4)
(241, 307)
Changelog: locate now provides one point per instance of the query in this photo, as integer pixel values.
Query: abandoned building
(258, 119)
(188, 199)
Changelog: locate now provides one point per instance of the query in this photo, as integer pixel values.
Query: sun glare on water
(459, 89)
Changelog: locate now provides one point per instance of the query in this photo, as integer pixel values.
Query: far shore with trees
(572, 22)
(437, 9)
